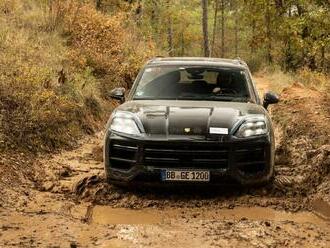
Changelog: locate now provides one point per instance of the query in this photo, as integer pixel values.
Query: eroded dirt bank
(63, 201)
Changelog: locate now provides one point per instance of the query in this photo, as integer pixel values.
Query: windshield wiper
(198, 98)
(230, 98)
(194, 98)
(153, 98)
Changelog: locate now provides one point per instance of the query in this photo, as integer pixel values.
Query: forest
(65, 55)
(291, 34)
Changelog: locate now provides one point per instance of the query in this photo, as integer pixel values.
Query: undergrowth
(58, 60)
(279, 80)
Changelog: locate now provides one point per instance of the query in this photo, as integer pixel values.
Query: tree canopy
(292, 33)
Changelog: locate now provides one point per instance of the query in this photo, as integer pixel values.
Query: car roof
(198, 61)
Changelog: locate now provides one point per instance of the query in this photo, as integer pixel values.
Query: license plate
(185, 175)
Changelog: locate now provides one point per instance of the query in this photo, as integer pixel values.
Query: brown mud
(64, 201)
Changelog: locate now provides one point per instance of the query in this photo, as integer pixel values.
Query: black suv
(190, 120)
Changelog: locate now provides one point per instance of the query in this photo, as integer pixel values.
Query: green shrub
(254, 63)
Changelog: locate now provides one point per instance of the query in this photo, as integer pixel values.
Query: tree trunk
(170, 37)
(323, 68)
(216, 6)
(182, 43)
(222, 28)
(169, 29)
(268, 33)
(205, 29)
(252, 42)
(236, 28)
(288, 61)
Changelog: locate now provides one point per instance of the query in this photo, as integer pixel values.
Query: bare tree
(205, 28)
(236, 26)
(215, 22)
(170, 37)
(268, 33)
(169, 28)
(222, 28)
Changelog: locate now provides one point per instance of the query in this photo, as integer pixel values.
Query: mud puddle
(200, 227)
(108, 215)
(321, 208)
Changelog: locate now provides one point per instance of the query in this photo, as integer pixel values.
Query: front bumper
(247, 161)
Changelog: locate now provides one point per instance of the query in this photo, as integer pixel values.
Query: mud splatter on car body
(191, 119)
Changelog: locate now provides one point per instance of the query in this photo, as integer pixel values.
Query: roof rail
(155, 58)
(240, 61)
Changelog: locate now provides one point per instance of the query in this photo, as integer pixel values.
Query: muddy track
(71, 205)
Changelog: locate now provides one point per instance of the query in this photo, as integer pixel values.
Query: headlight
(124, 122)
(253, 126)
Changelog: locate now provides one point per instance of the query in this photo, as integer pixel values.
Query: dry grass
(278, 80)
(52, 62)
(317, 80)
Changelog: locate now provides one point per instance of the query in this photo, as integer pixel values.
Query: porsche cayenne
(196, 120)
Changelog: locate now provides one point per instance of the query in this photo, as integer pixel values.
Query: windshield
(192, 83)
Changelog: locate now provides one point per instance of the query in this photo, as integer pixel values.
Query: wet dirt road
(72, 206)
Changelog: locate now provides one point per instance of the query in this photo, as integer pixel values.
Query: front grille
(248, 158)
(251, 159)
(186, 155)
(123, 155)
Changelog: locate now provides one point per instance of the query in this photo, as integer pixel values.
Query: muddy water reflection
(108, 215)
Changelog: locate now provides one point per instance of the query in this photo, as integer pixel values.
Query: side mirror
(118, 94)
(270, 98)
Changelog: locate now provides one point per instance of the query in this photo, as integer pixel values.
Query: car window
(192, 83)
(209, 76)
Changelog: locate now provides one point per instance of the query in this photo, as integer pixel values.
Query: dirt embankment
(303, 151)
(66, 197)
(18, 175)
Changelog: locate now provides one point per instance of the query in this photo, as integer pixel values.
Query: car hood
(201, 118)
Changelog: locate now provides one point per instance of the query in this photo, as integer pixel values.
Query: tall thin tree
(205, 28)
(222, 28)
(170, 36)
(215, 22)
(236, 26)
(169, 28)
(268, 32)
